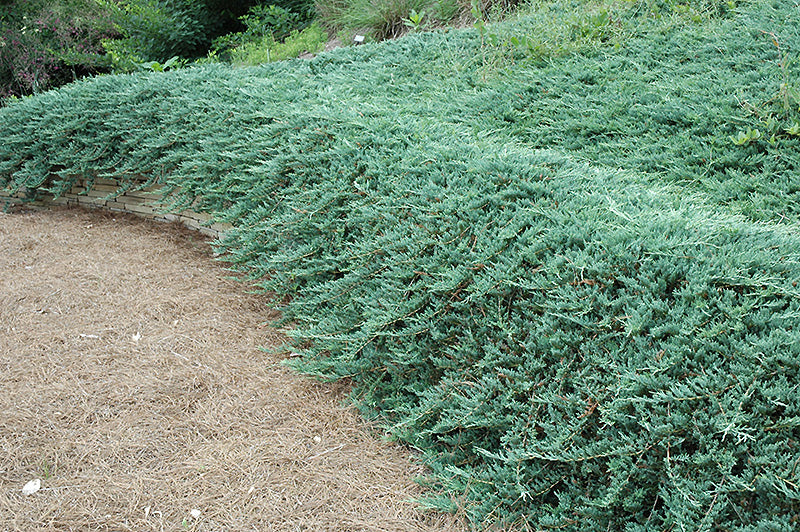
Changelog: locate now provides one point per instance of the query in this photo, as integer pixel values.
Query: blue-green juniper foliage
(562, 281)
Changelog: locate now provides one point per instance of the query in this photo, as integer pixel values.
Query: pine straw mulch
(133, 386)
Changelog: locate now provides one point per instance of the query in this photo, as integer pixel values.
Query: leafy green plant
(311, 40)
(266, 26)
(156, 30)
(488, 40)
(780, 114)
(743, 138)
(262, 20)
(414, 20)
(788, 95)
(480, 19)
(170, 64)
(593, 26)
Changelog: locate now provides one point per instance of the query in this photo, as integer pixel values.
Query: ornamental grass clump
(577, 331)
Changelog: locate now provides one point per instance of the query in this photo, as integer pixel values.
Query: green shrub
(564, 284)
(157, 30)
(266, 28)
(270, 19)
(46, 44)
(310, 40)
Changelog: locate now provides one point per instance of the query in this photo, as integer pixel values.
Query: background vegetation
(45, 44)
(559, 254)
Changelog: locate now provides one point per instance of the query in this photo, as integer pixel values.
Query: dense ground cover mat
(566, 347)
(571, 283)
(672, 106)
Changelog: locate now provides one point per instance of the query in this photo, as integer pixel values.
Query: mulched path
(134, 387)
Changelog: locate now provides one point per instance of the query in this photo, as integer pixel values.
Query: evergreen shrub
(591, 336)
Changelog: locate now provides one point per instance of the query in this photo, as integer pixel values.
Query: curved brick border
(141, 203)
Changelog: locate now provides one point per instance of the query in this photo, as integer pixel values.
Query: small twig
(708, 512)
(180, 356)
(326, 451)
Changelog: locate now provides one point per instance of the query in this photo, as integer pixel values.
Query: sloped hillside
(570, 279)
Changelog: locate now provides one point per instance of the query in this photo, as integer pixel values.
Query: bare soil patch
(133, 386)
